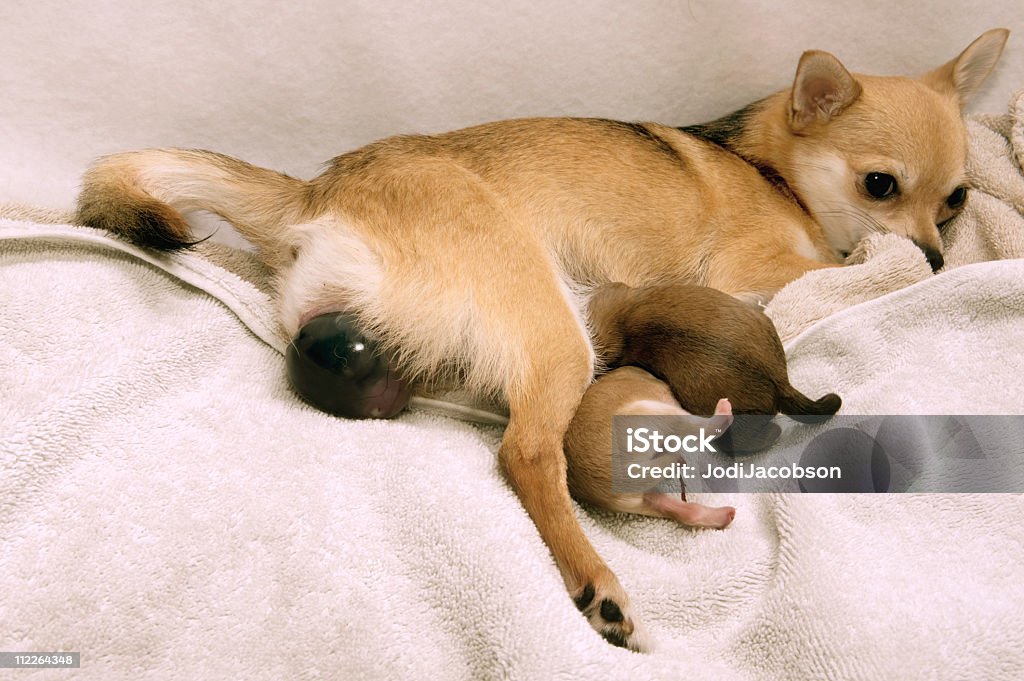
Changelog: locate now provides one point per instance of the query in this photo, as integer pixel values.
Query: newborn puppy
(705, 345)
(630, 391)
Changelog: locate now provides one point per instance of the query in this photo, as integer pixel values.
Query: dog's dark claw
(615, 637)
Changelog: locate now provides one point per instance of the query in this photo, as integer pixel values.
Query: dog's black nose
(934, 258)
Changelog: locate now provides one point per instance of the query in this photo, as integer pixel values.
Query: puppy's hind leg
(687, 513)
(676, 507)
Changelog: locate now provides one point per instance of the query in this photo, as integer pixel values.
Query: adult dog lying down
(470, 252)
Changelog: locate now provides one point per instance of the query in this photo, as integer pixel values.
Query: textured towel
(170, 510)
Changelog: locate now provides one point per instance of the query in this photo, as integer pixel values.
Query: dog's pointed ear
(960, 77)
(822, 89)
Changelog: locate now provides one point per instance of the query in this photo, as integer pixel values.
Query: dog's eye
(957, 198)
(880, 185)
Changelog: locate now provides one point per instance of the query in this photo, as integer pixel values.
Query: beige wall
(292, 84)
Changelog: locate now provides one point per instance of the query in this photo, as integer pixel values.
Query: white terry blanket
(170, 510)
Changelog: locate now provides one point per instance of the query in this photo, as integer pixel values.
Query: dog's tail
(141, 196)
(799, 407)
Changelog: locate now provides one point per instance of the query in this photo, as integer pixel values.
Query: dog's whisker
(862, 218)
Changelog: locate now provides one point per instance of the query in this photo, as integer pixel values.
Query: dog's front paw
(605, 605)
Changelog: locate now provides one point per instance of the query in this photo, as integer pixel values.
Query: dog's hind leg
(524, 336)
(528, 334)
(541, 405)
(440, 270)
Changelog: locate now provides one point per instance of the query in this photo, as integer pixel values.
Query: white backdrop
(289, 85)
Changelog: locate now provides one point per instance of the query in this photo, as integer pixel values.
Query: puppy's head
(884, 154)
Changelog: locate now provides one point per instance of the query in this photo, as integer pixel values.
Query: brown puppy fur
(467, 252)
(704, 344)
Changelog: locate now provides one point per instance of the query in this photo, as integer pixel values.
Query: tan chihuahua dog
(469, 253)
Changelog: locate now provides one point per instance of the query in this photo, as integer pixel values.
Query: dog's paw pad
(610, 611)
(584, 598)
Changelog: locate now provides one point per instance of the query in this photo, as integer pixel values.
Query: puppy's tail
(799, 407)
(141, 196)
